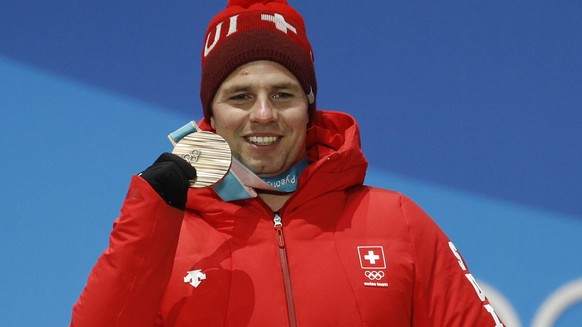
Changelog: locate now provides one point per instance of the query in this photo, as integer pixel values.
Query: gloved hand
(169, 176)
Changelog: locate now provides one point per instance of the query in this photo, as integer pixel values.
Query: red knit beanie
(250, 30)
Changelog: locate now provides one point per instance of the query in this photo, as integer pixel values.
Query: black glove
(170, 176)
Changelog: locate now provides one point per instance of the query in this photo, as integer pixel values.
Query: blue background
(473, 109)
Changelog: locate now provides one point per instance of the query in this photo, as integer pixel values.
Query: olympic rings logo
(374, 275)
(193, 156)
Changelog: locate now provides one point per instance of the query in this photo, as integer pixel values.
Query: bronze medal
(208, 153)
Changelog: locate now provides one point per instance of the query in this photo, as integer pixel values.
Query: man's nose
(263, 111)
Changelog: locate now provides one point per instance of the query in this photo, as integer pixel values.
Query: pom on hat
(255, 30)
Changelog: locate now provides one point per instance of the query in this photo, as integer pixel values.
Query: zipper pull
(278, 224)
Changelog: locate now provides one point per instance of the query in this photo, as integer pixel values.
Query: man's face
(261, 111)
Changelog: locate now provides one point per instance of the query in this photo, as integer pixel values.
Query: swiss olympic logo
(373, 262)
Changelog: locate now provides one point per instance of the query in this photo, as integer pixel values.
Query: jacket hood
(336, 160)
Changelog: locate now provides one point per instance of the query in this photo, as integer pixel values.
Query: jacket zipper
(278, 224)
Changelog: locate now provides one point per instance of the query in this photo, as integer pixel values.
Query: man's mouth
(262, 140)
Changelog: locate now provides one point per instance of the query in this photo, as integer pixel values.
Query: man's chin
(263, 168)
(266, 172)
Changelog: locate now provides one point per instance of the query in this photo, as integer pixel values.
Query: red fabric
(139, 280)
(249, 19)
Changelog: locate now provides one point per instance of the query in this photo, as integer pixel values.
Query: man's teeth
(263, 140)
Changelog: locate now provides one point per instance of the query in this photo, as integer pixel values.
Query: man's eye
(240, 97)
(282, 96)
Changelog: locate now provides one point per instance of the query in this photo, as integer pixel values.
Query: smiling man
(261, 111)
(321, 250)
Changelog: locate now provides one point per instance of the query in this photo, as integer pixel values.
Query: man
(324, 250)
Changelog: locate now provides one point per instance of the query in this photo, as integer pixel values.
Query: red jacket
(344, 254)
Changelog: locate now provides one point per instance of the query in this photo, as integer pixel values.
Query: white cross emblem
(280, 22)
(372, 257)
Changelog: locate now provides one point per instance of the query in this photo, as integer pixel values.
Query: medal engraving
(192, 157)
(208, 153)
